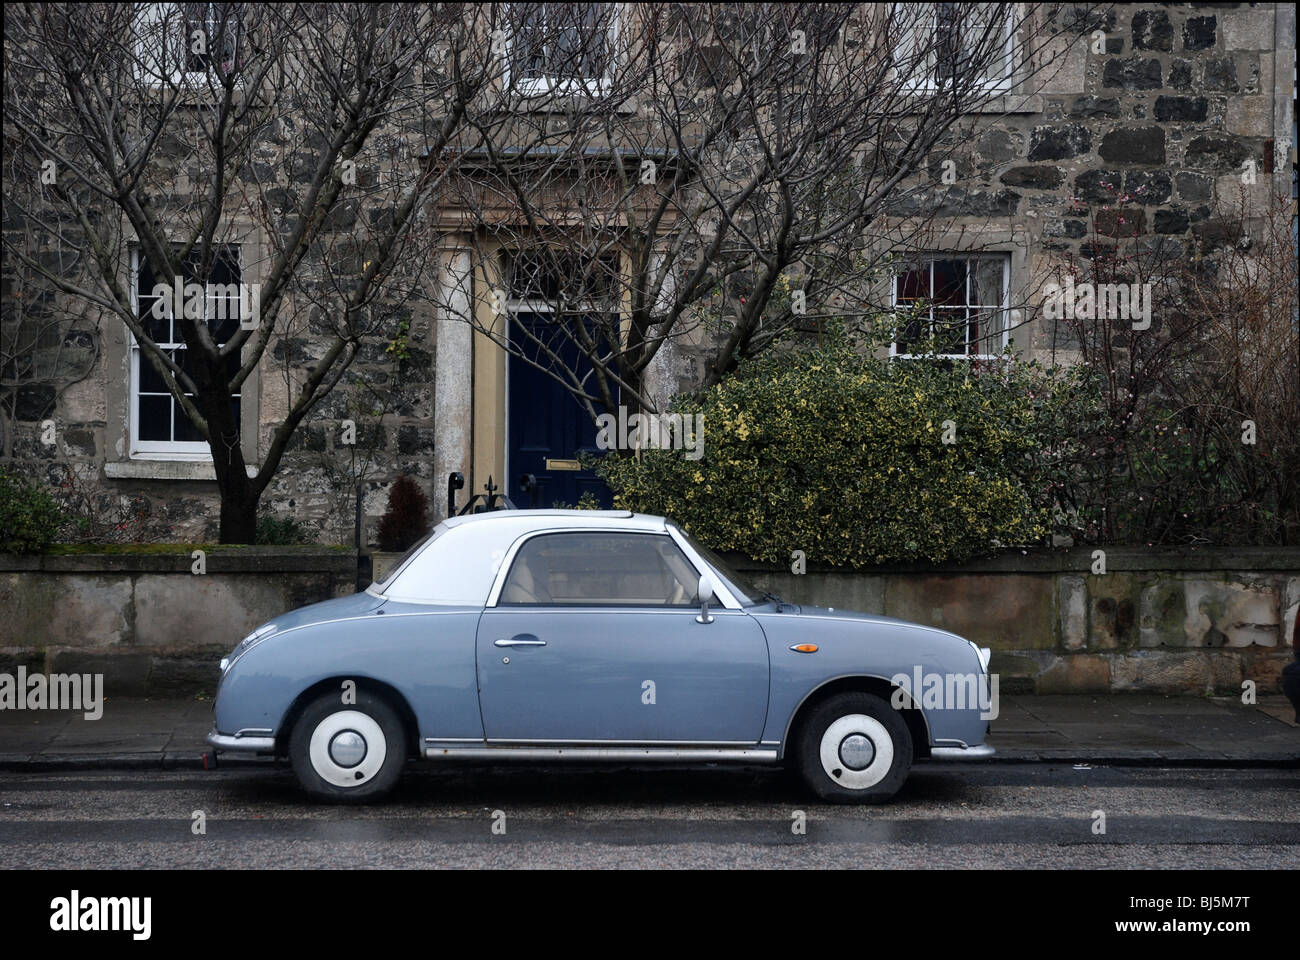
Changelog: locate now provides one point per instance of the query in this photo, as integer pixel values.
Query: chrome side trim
(254, 732)
(980, 752)
(697, 744)
(241, 744)
(645, 754)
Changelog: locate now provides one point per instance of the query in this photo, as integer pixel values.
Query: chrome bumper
(979, 752)
(244, 744)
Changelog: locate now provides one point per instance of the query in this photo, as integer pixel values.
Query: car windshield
(743, 592)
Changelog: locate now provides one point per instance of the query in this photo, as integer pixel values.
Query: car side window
(601, 568)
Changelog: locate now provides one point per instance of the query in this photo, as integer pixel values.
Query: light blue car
(551, 635)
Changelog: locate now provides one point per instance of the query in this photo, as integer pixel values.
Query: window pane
(155, 418)
(558, 279)
(150, 381)
(223, 295)
(971, 38)
(950, 330)
(601, 568)
(990, 331)
(159, 330)
(986, 283)
(219, 23)
(910, 336)
(950, 282)
(913, 284)
(561, 41)
(186, 432)
(530, 54)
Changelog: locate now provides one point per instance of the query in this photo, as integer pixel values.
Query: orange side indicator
(804, 648)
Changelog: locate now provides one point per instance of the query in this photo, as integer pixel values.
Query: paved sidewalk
(1145, 729)
(1141, 729)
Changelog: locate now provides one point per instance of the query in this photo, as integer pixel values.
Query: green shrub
(281, 531)
(842, 455)
(29, 516)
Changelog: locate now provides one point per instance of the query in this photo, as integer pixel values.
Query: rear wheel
(348, 753)
(854, 748)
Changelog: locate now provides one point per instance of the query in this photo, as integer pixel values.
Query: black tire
(838, 780)
(383, 748)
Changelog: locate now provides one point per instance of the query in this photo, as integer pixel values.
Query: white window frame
(549, 86)
(163, 449)
(151, 15)
(928, 259)
(1004, 84)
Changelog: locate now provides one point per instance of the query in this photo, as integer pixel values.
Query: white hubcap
(857, 751)
(347, 748)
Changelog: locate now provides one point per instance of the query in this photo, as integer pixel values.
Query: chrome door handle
(521, 640)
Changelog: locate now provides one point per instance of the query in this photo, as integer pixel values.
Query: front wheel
(347, 753)
(854, 748)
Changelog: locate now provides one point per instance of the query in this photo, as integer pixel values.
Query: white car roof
(459, 564)
(529, 520)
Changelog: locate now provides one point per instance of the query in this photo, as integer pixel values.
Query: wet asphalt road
(994, 815)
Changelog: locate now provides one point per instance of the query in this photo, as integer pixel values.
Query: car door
(594, 638)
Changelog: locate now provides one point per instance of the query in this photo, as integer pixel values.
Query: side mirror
(705, 591)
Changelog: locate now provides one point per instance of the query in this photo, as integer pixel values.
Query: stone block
(47, 609)
(1059, 142)
(1164, 671)
(180, 611)
(1133, 145)
(1112, 613)
(1177, 612)
(1135, 73)
(1001, 611)
(1081, 673)
(1072, 612)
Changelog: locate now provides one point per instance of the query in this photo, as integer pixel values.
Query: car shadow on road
(494, 785)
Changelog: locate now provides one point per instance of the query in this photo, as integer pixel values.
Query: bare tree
(288, 153)
(1194, 435)
(719, 174)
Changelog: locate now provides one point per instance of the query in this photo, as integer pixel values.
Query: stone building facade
(1181, 107)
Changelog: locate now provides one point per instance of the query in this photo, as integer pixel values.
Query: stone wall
(1169, 621)
(1166, 115)
(1193, 621)
(145, 620)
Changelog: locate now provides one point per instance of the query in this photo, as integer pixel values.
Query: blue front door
(547, 427)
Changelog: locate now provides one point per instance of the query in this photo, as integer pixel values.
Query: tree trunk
(239, 492)
(239, 518)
